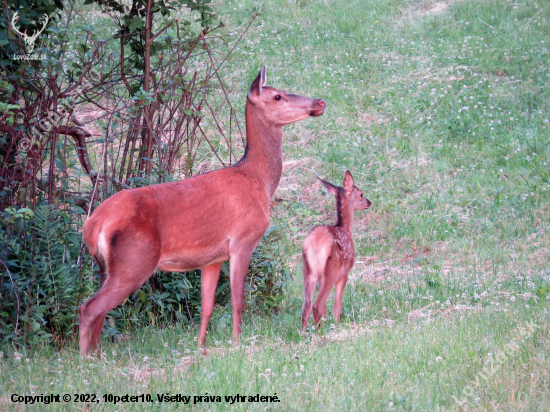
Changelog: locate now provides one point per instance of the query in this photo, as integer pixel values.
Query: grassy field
(442, 113)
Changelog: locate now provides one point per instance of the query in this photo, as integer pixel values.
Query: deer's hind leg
(93, 311)
(128, 269)
(98, 325)
(310, 279)
(328, 278)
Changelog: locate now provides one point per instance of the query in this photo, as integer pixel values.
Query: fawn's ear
(330, 187)
(257, 84)
(348, 182)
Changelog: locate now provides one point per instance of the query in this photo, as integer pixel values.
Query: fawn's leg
(339, 291)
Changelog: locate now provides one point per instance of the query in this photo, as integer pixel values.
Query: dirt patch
(426, 9)
(436, 8)
(365, 119)
(442, 75)
(433, 8)
(372, 271)
(143, 373)
(434, 310)
(405, 164)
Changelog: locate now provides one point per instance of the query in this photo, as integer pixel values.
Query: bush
(47, 276)
(267, 275)
(42, 282)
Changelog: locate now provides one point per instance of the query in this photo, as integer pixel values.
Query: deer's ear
(348, 182)
(330, 187)
(263, 77)
(257, 84)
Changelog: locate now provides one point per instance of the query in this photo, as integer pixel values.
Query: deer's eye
(278, 97)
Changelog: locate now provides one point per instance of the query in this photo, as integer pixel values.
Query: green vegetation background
(441, 112)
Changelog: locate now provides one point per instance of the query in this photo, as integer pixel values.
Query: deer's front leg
(238, 264)
(339, 292)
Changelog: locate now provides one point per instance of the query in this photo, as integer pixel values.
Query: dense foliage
(47, 275)
(127, 103)
(44, 277)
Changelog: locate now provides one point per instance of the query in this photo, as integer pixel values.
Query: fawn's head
(279, 107)
(352, 194)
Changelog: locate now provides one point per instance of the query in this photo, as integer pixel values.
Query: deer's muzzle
(319, 108)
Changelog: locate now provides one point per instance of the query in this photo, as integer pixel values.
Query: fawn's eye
(278, 97)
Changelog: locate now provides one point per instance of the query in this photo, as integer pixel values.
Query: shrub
(43, 281)
(47, 275)
(267, 275)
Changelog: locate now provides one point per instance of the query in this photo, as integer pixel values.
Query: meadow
(441, 111)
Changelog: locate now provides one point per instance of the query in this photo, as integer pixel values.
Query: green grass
(443, 119)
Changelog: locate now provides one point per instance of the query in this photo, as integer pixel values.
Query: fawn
(328, 253)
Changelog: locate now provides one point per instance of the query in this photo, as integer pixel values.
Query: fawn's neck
(344, 213)
(263, 155)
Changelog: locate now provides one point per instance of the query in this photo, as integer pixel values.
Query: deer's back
(191, 218)
(324, 242)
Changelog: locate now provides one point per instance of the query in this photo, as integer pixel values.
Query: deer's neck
(263, 156)
(344, 213)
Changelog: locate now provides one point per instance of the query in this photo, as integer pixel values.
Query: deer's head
(349, 192)
(279, 107)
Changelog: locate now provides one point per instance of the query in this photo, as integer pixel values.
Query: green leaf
(142, 296)
(82, 48)
(27, 211)
(542, 292)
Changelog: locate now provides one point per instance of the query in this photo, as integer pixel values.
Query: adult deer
(328, 253)
(199, 222)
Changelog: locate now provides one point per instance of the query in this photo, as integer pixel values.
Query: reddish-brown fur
(328, 253)
(195, 223)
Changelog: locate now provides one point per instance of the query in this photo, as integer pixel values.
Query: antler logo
(29, 40)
